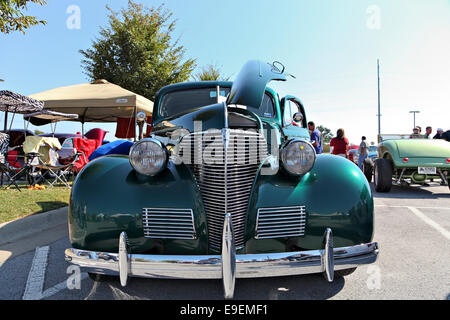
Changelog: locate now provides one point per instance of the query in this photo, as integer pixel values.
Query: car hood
(418, 148)
(250, 84)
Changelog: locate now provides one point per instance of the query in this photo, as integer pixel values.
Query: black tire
(344, 273)
(368, 169)
(383, 175)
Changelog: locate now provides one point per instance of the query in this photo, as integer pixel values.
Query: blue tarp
(115, 147)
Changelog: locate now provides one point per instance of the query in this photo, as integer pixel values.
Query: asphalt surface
(412, 227)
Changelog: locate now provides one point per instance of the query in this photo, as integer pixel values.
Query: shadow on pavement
(413, 192)
(50, 205)
(304, 287)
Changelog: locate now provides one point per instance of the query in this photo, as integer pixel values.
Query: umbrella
(17, 103)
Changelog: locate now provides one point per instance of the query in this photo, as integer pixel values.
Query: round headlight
(148, 157)
(298, 157)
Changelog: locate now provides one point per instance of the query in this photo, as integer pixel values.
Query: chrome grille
(163, 223)
(280, 222)
(225, 176)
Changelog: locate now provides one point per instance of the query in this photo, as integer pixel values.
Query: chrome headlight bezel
(143, 169)
(285, 161)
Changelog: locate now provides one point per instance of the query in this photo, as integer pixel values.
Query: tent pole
(12, 120)
(135, 122)
(6, 120)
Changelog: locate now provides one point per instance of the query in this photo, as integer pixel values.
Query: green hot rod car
(228, 186)
(405, 159)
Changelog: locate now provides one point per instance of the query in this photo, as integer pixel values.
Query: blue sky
(330, 46)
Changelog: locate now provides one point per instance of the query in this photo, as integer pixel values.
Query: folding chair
(11, 173)
(53, 168)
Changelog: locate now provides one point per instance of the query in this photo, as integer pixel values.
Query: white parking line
(430, 222)
(437, 208)
(424, 218)
(36, 278)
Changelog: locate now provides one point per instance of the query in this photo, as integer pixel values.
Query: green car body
(412, 161)
(109, 195)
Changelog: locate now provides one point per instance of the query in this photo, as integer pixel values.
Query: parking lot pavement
(412, 227)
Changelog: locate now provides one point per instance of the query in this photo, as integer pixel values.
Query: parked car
(402, 160)
(226, 187)
(351, 152)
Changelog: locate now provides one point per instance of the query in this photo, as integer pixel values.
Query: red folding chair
(85, 147)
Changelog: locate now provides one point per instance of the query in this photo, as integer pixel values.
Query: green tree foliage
(208, 73)
(136, 51)
(327, 135)
(12, 17)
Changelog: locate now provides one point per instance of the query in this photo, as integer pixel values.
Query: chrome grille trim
(280, 222)
(226, 183)
(168, 223)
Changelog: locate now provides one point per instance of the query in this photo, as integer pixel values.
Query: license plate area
(427, 170)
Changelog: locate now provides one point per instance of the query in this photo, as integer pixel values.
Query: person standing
(416, 133)
(428, 131)
(340, 144)
(363, 152)
(446, 136)
(439, 133)
(316, 137)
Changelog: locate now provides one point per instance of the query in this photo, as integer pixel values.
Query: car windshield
(184, 100)
(179, 102)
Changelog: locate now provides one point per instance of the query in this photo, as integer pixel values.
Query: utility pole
(379, 111)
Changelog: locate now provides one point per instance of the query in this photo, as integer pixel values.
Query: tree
(136, 51)
(327, 135)
(210, 72)
(12, 17)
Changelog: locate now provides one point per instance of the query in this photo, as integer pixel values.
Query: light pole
(414, 112)
(379, 112)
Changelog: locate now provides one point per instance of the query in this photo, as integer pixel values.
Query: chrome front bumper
(226, 266)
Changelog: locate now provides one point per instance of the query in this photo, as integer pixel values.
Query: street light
(414, 112)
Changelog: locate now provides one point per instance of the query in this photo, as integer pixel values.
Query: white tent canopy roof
(99, 101)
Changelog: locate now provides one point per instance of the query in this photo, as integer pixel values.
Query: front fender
(108, 196)
(336, 195)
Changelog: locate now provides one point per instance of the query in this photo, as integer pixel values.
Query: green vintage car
(228, 186)
(406, 159)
